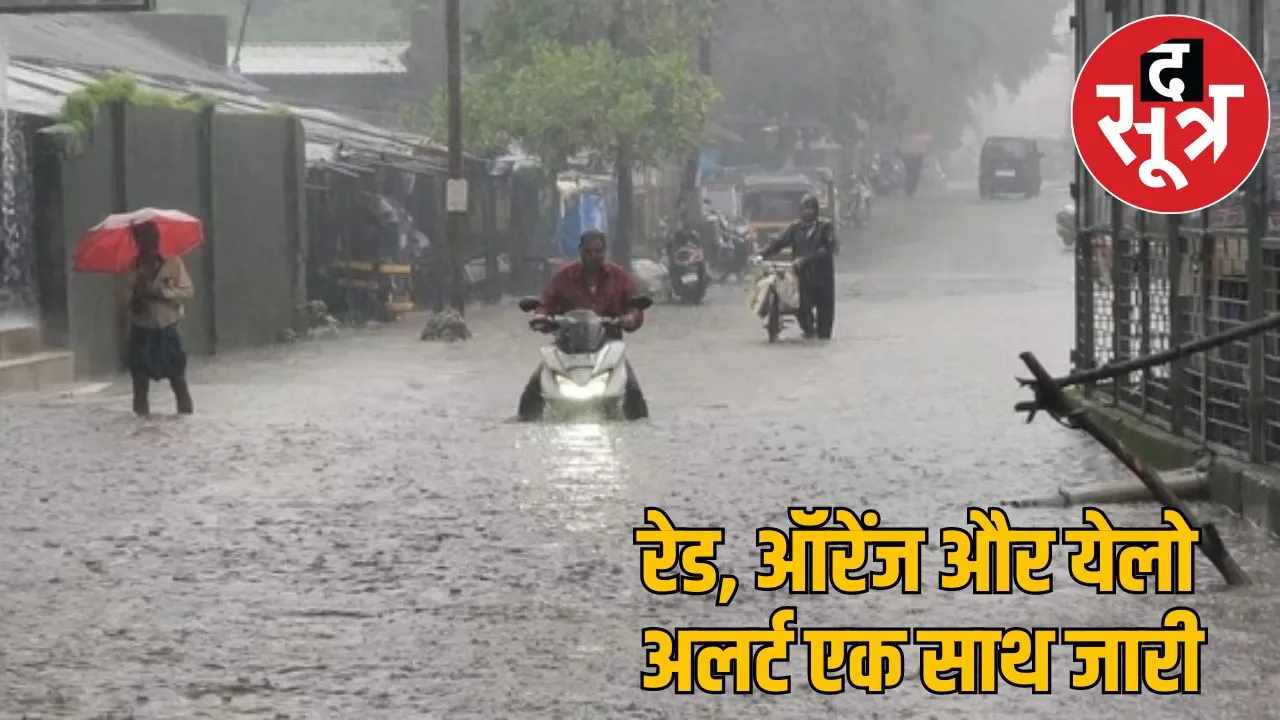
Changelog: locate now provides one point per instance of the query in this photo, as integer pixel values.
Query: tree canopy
(914, 64)
(559, 77)
(908, 63)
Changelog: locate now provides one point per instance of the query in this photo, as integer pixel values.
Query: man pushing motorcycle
(590, 283)
(813, 244)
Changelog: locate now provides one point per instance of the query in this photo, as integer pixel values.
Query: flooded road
(354, 529)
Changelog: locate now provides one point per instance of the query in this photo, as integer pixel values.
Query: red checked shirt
(611, 297)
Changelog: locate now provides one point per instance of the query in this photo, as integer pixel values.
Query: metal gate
(1144, 282)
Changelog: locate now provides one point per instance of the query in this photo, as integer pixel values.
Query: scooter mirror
(528, 304)
(642, 303)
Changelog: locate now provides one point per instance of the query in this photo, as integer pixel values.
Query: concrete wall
(242, 175)
(87, 193)
(257, 245)
(162, 166)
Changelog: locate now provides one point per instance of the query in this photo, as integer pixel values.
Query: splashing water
(7, 171)
(17, 252)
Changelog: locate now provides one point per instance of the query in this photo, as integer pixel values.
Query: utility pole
(244, 26)
(456, 193)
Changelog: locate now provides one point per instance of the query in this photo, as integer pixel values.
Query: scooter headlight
(593, 389)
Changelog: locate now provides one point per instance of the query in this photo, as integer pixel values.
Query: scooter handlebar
(778, 264)
(552, 323)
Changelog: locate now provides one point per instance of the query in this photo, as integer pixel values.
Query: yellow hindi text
(835, 548)
(996, 558)
(1164, 660)
(681, 560)
(1132, 559)
(704, 659)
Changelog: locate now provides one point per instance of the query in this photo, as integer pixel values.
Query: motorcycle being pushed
(775, 296)
(584, 372)
(687, 273)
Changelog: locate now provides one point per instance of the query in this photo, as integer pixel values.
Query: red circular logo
(1170, 114)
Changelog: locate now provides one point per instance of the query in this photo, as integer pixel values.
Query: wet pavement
(352, 528)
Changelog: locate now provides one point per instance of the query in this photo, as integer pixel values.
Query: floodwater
(352, 528)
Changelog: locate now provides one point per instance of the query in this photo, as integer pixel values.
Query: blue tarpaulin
(588, 211)
(709, 162)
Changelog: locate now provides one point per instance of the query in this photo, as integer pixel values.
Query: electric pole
(456, 193)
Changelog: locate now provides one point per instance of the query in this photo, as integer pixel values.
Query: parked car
(1009, 166)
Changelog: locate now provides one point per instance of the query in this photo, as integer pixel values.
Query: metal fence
(1144, 282)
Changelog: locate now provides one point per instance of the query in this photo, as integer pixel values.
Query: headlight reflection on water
(583, 475)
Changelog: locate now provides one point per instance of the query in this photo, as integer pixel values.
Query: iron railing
(1144, 282)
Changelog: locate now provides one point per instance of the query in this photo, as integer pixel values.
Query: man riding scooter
(596, 284)
(813, 244)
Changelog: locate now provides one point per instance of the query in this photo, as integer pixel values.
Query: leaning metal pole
(1114, 370)
(1051, 398)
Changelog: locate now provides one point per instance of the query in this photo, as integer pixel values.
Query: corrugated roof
(101, 42)
(53, 56)
(37, 89)
(321, 58)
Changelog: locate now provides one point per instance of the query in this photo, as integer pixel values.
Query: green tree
(662, 110)
(566, 100)
(656, 105)
(551, 107)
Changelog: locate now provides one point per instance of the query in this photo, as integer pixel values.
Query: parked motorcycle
(687, 272)
(857, 207)
(585, 372)
(885, 175)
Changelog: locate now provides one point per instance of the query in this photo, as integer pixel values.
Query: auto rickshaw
(772, 202)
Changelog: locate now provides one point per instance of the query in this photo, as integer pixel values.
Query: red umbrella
(108, 247)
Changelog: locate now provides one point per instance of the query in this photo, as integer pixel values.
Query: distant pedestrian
(159, 289)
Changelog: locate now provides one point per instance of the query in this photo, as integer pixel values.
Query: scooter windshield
(581, 333)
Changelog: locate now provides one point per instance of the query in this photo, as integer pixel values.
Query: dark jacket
(817, 241)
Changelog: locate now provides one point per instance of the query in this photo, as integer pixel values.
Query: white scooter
(585, 371)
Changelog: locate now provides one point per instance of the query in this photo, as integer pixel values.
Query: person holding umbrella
(159, 288)
(147, 245)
